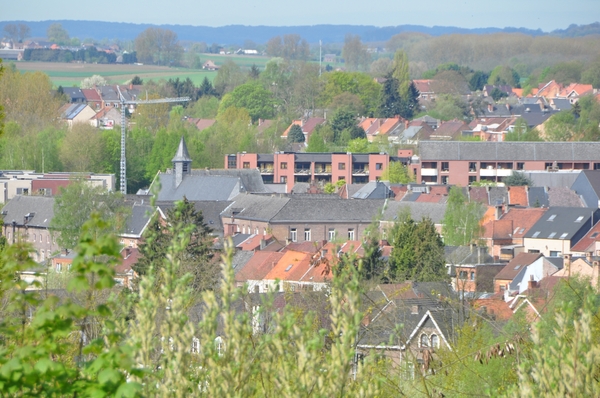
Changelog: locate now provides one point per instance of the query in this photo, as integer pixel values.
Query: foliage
(498, 94)
(400, 73)
(17, 32)
(355, 53)
(228, 77)
(522, 132)
(397, 173)
(392, 104)
(461, 224)
(316, 143)
(478, 80)
(74, 205)
(360, 84)
(418, 251)
(252, 96)
(137, 81)
(89, 55)
(517, 179)
(449, 107)
(57, 34)
(289, 47)
(158, 46)
(503, 74)
(295, 134)
(91, 82)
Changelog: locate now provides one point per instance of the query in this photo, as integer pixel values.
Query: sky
(533, 14)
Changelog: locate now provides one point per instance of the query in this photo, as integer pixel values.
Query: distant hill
(579, 30)
(237, 34)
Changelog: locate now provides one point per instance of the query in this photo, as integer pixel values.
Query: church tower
(182, 163)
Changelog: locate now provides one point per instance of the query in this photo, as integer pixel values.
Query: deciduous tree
(461, 224)
(355, 53)
(57, 34)
(158, 46)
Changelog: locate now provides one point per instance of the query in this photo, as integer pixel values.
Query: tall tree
(158, 46)
(228, 77)
(57, 34)
(400, 73)
(517, 179)
(418, 251)
(295, 134)
(355, 53)
(397, 173)
(289, 47)
(74, 205)
(252, 96)
(462, 219)
(195, 258)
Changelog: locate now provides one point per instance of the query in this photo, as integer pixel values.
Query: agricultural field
(71, 74)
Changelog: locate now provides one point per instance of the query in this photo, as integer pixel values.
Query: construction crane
(123, 121)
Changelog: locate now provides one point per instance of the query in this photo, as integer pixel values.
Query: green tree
(461, 224)
(448, 107)
(498, 94)
(357, 83)
(158, 46)
(418, 251)
(228, 77)
(57, 34)
(478, 80)
(194, 259)
(289, 47)
(316, 143)
(560, 127)
(252, 96)
(400, 73)
(74, 205)
(391, 103)
(138, 81)
(397, 173)
(504, 75)
(355, 53)
(517, 179)
(295, 134)
(522, 132)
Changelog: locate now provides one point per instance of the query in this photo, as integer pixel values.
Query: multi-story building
(291, 167)
(465, 162)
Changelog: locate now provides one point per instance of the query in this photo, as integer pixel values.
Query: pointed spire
(182, 154)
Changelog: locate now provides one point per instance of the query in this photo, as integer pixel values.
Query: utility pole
(320, 58)
(124, 102)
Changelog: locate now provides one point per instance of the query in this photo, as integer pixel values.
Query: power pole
(320, 58)
(123, 121)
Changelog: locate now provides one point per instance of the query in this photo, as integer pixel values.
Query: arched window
(435, 341)
(424, 342)
(220, 345)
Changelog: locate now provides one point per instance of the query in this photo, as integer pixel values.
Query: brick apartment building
(465, 162)
(291, 167)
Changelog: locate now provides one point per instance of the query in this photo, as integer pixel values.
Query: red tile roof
(253, 242)
(259, 265)
(587, 243)
(91, 95)
(291, 267)
(516, 265)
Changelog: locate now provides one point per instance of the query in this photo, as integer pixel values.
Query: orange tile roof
(494, 306)
(259, 265)
(498, 229)
(523, 219)
(579, 89)
(291, 267)
(253, 242)
(518, 92)
(518, 196)
(389, 125)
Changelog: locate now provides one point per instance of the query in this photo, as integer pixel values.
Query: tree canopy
(158, 46)
(461, 224)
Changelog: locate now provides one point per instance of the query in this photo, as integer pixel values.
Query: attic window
(289, 267)
(522, 230)
(518, 266)
(552, 235)
(594, 235)
(552, 217)
(564, 235)
(536, 234)
(579, 219)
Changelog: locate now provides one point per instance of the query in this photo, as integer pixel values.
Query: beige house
(76, 113)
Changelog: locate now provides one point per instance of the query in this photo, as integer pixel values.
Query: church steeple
(182, 163)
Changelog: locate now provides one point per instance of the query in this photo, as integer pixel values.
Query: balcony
(360, 172)
(504, 172)
(488, 172)
(429, 172)
(302, 171)
(267, 170)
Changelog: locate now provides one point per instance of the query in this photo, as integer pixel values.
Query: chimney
(567, 264)
(263, 244)
(531, 283)
(415, 309)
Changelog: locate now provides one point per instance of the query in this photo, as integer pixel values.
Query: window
(231, 162)
(535, 234)
(350, 233)
(445, 180)
(424, 341)
(283, 179)
(435, 341)
(462, 274)
(341, 166)
(331, 233)
(283, 165)
(554, 253)
(246, 165)
(552, 217)
(256, 231)
(472, 167)
(264, 231)
(552, 235)
(58, 267)
(445, 166)
(47, 238)
(293, 235)
(472, 276)
(564, 235)
(520, 166)
(184, 167)
(34, 237)
(579, 219)
(220, 345)
(378, 166)
(502, 288)
(307, 234)
(472, 179)
(195, 345)
(596, 166)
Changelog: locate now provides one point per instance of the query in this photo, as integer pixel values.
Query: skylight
(552, 235)
(564, 235)
(518, 266)
(289, 267)
(579, 219)
(536, 234)
(552, 217)
(594, 235)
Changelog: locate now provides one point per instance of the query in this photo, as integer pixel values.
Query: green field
(71, 74)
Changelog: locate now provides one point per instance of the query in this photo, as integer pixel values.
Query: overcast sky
(545, 14)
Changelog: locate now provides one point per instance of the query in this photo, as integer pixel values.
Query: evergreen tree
(195, 259)
(517, 179)
(418, 251)
(295, 134)
(392, 104)
(206, 88)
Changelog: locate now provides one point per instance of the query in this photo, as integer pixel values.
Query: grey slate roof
(560, 223)
(140, 216)
(182, 154)
(210, 184)
(373, 190)
(554, 179)
(18, 207)
(255, 207)
(418, 210)
(467, 255)
(498, 195)
(563, 197)
(538, 195)
(329, 210)
(75, 94)
(508, 151)
(211, 212)
(240, 258)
